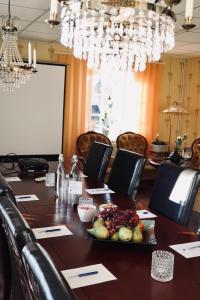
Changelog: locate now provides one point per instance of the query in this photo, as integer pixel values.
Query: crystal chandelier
(13, 71)
(123, 34)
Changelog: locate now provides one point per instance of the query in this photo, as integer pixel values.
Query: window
(115, 103)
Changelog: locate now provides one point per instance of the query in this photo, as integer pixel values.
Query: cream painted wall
(170, 89)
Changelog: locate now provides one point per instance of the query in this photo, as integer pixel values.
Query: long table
(131, 264)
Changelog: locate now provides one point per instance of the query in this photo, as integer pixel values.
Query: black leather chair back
(44, 280)
(5, 189)
(126, 172)
(97, 161)
(15, 233)
(167, 175)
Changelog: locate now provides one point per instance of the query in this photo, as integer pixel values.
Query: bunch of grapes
(115, 218)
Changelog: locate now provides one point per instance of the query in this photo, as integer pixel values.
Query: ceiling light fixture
(13, 71)
(124, 34)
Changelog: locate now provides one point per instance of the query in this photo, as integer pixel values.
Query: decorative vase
(175, 157)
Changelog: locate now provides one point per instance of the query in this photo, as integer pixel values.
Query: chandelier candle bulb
(53, 9)
(34, 58)
(29, 54)
(189, 9)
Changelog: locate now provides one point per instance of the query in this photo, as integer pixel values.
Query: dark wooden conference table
(131, 264)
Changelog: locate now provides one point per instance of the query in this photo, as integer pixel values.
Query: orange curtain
(149, 83)
(77, 112)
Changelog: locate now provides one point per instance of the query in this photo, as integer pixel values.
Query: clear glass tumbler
(162, 267)
(85, 200)
(187, 153)
(50, 179)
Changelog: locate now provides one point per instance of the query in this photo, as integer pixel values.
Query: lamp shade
(176, 108)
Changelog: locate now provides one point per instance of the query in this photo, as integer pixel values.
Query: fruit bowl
(122, 226)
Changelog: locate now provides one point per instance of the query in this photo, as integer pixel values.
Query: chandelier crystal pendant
(13, 71)
(122, 34)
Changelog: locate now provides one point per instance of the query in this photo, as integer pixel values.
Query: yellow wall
(170, 90)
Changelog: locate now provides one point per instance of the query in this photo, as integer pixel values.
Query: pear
(99, 222)
(92, 231)
(115, 236)
(125, 234)
(137, 235)
(100, 232)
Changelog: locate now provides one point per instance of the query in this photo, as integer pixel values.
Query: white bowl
(86, 212)
(106, 206)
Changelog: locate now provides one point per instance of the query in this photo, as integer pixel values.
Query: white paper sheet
(99, 191)
(45, 232)
(75, 281)
(12, 179)
(22, 198)
(145, 214)
(181, 189)
(188, 250)
(75, 187)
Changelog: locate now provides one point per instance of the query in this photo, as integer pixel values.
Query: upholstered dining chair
(84, 142)
(5, 189)
(162, 200)
(133, 142)
(45, 283)
(15, 234)
(97, 161)
(195, 159)
(126, 172)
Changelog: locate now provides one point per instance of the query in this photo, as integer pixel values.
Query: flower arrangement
(178, 142)
(157, 141)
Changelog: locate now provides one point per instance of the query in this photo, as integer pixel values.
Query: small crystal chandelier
(123, 34)
(13, 71)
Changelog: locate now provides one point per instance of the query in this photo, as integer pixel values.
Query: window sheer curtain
(135, 101)
(77, 110)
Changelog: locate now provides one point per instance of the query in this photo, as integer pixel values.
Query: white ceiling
(32, 14)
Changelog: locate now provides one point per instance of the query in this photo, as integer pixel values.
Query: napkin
(99, 191)
(49, 232)
(75, 187)
(12, 179)
(188, 250)
(99, 274)
(182, 186)
(145, 214)
(22, 198)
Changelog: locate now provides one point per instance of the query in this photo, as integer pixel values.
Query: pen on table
(85, 274)
(194, 247)
(51, 230)
(23, 197)
(145, 212)
(100, 189)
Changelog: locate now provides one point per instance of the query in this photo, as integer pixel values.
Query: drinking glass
(162, 266)
(85, 200)
(187, 153)
(50, 179)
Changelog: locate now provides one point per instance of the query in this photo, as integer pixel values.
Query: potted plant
(159, 146)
